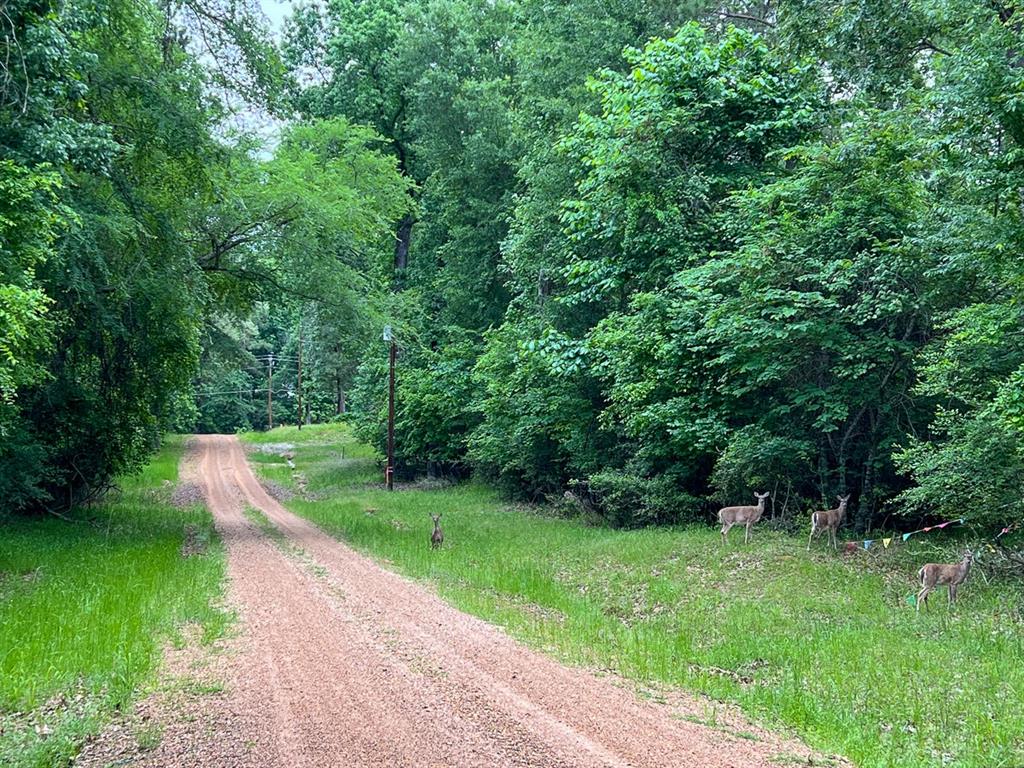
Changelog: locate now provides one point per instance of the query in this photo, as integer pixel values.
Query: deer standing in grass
(828, 520)
(437, 537)
(747, 516)
(934, 574)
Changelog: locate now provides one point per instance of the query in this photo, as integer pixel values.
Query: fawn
(730, 516)
(437, 537)
(934, 574)
(828, 520)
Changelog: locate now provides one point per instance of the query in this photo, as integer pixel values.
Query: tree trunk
(866, 502)
(403, 238)
(823, 481)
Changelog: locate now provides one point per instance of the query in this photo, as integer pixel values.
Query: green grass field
(818, 643)
(86, 607)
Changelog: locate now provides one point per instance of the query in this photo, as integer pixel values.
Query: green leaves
(661, 262)
(693, 121)
(29, 221)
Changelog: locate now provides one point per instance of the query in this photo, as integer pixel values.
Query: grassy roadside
(821, 644)
(85, 608)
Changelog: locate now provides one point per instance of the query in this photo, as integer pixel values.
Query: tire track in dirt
(347, 664)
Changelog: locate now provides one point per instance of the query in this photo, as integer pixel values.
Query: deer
(437, 537)
(934, 574)
(747, 516)
(828, 520)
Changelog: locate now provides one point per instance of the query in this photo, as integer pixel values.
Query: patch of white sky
(276, 11)
(255, 120)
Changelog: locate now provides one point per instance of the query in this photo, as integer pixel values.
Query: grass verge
(86, 607)
(821, 644)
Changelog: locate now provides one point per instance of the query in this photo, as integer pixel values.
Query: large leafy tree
(970, 458)
(801, 338)
(692, 121)
(461, 90)
(124, 295)
(295, 247)
(130, 213)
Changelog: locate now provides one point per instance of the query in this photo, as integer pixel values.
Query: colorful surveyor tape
(866, 543)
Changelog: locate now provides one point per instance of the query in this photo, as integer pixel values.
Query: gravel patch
(187, 495)
(277, 491)
(274, 449)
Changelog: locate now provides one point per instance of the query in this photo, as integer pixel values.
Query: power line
(260, 390)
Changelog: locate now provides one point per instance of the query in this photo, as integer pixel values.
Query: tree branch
(747, 17)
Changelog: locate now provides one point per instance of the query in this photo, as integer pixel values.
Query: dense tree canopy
(131, 221)
(657, 254)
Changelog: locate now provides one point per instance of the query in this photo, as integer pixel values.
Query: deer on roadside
(935, 574)
(437, 537)
(746, 516)
(828, 520)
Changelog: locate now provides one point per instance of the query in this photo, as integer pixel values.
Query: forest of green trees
(659, 254)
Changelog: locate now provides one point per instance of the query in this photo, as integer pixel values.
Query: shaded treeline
(768, 247)
(661, 255)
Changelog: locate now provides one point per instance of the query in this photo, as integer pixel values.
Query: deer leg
(922, 597)
(952, 594)
(809, 538)
(746, 536)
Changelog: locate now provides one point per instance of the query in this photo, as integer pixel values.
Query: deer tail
(920, 574)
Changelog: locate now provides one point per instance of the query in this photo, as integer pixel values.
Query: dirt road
(346, 664)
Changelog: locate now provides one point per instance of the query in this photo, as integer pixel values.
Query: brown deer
(747, 516)
(934, 574)
(828, 520)
(437, 537)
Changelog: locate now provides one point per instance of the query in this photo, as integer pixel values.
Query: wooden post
(300, 377)
(391, 419)
(270, 392)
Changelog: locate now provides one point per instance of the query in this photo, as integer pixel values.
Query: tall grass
(86, 606)
(822, 644)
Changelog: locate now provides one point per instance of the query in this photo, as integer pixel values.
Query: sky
(254, 119)
(276, 10)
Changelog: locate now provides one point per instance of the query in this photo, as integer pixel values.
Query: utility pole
(300, 374)
(270, 391)
(390, 471)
